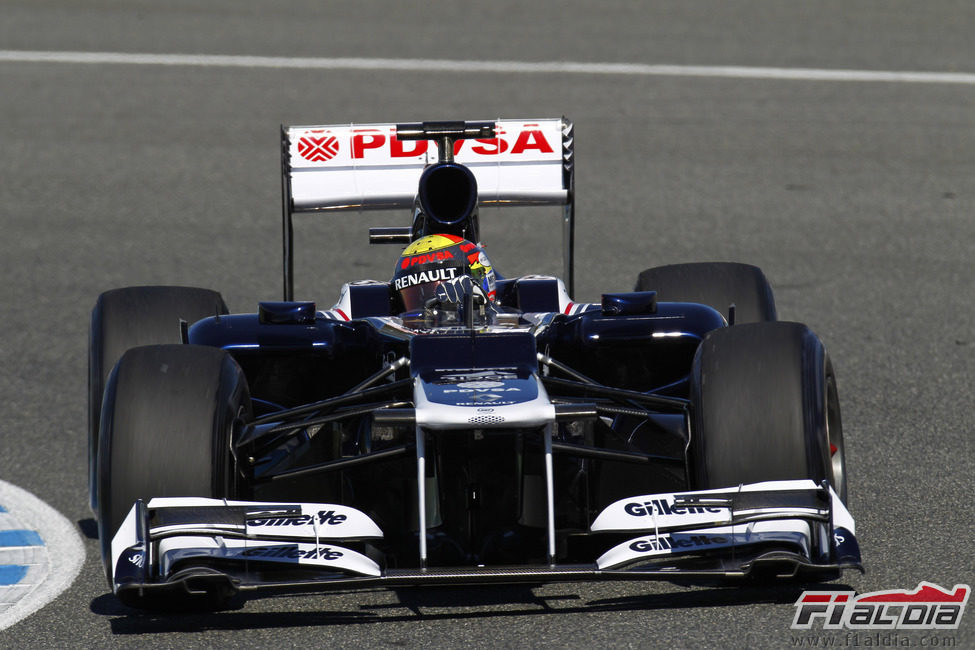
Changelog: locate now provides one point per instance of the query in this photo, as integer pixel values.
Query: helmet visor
(416, 297)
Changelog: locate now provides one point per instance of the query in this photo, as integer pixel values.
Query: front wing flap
(202, 547)
(197, 540)
(799, 518)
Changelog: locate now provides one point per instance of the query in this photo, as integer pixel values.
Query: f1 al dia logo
(929, 607)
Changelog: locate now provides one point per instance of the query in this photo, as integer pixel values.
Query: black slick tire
(167, 423)
(129, 317)
(716, 284)
(765, 407)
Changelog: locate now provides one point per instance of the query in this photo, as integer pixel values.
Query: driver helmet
(434, 259)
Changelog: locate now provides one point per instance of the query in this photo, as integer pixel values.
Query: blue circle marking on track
(40, 554)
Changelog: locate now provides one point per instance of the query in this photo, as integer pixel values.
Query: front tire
(166, 429)
(765, 408)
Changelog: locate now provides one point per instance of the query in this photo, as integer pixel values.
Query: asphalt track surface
(857, 198)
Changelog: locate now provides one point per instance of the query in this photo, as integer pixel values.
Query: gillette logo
(665, 507)
(329, 517)
(671, 542)
(293, 552)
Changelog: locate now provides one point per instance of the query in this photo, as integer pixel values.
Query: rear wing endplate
(365, 166)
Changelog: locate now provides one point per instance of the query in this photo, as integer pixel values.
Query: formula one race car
(452, 425)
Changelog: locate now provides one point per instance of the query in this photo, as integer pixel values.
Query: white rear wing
(353, 167)
(365, 166)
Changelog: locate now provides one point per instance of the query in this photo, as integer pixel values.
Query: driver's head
(432, 260)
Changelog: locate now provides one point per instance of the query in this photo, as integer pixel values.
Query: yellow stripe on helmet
(431, 243)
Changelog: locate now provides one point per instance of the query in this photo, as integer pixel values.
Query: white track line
(442, 65)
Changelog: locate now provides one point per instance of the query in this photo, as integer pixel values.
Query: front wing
(206, 548)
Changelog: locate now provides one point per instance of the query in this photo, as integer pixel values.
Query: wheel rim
(834, 438)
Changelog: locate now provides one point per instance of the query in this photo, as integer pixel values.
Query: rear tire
(765, 408)
(716, 284)
(166, 430)
(127, 318)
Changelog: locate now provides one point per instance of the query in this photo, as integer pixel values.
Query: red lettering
(368, 140)
(494, 146)
(398, 149)
(531, 140)
(437, 256)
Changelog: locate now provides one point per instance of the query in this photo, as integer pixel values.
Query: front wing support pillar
(549, 493)
(421, 494)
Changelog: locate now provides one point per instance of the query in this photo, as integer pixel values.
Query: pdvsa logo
(929, 607)
(318, 146)
(426, 258)
(380, 144)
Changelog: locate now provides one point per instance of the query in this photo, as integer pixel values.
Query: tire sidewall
(168, 422)
(130, 317)
(759, 394)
